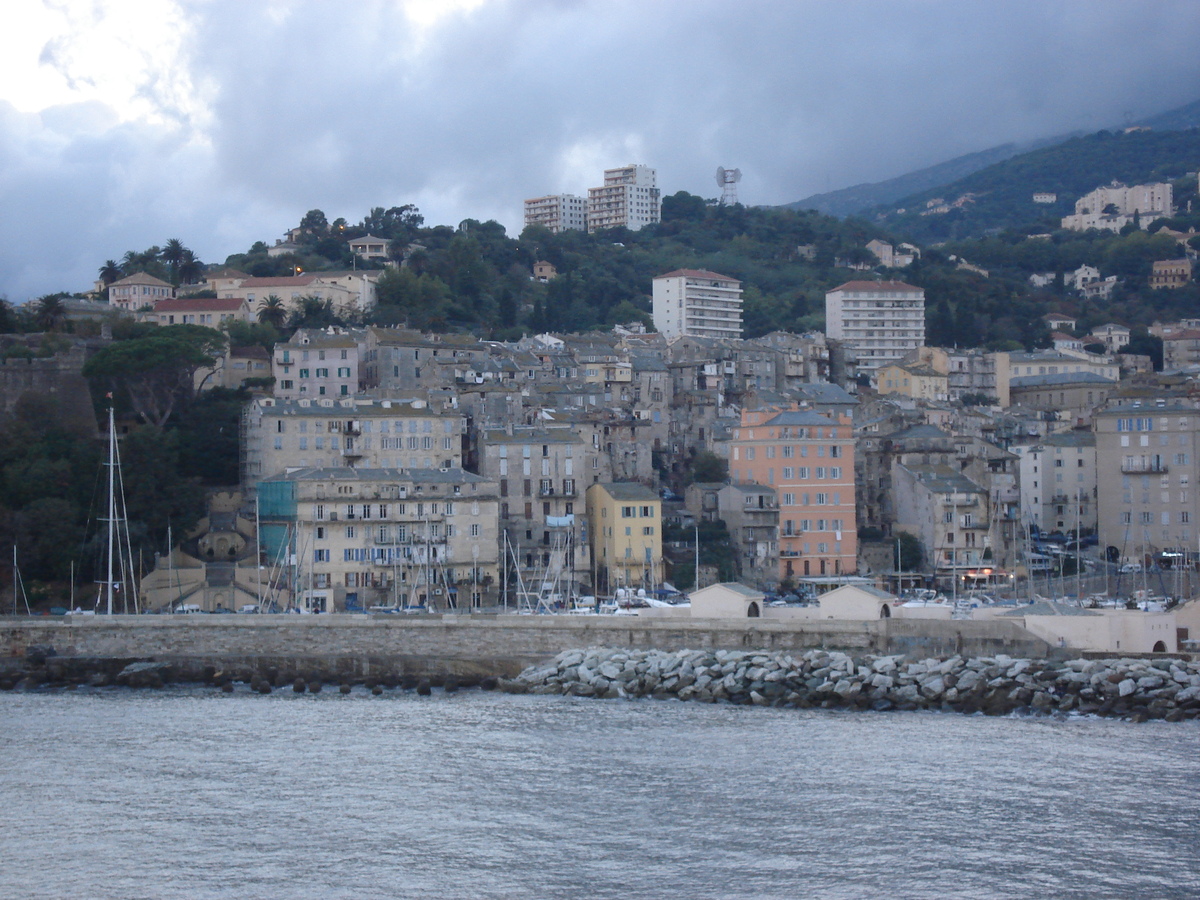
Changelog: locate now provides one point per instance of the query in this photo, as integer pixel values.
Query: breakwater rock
(1165, 688)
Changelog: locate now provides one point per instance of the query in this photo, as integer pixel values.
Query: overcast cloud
(221, 122)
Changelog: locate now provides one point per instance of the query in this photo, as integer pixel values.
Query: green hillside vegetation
(1001, 194)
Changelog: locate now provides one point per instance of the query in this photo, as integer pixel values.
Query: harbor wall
(474, 645)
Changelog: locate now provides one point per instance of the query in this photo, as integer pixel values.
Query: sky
(220, 122)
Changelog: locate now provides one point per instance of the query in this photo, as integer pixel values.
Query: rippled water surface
(185, 793)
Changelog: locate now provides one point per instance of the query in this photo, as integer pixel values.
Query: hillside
(853, 200)
(858, 198)
(999, 197)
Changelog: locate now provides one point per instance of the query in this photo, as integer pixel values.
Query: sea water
(190, 793)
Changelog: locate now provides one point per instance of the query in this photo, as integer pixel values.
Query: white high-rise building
(629, 199)
(558, 212)
(697, 303)
(879, 321)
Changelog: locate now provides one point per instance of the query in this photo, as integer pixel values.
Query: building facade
(879, 321)
(697, 303)
(629, 198)
(625, 535)
(323, 432)
(809, 460)
(315, 363)
(557, 212)
(383, 537)
(1146, 476)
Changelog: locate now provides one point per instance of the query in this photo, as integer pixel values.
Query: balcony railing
(1144, 467)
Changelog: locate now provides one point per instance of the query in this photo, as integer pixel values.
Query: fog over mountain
(221, 122)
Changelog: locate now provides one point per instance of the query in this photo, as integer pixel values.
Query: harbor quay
(358, 647)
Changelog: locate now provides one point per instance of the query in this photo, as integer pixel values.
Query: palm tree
(50, 312)
(190, 268)
(172, 255)
(273, 311)
(110, 272)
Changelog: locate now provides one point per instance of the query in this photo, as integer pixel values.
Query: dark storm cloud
(322, 105)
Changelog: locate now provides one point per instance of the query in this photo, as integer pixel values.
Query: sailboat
(119, 584)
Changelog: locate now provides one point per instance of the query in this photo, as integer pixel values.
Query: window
(789, 499)
(788, 451)
(474, 531)
(321, 555)
(628, 512)
(350, 532)
(648, 529)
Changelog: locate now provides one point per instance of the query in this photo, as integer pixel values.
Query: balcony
(1153, 466)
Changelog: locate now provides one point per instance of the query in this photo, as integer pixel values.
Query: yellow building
(626, 535)
(920, 382)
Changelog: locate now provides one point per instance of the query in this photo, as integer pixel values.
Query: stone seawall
(360, 646)
(1139, 689)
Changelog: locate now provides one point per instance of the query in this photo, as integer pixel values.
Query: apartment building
(952, 517)
(809, 460)
(1146, 454)
(323, 432)
(1058, 482)
(625, 535)
(557, 212)
(1113, 207)
(879, 321)
(383, 537)
(629, 198)
(697, 303)
(542, 472)
(316, 363)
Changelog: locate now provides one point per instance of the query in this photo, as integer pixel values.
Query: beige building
(316, 363)
(1181, 348)
(1170, 273)
(1040, 363)
(210, 311)
(369, 247)
(138, 291)
(915, 381)
(323, 432)
(1146, 476)
(629, 198)
(728, 600)
(697, 303)
(384, 537)
(879, 321)
(1112, 208)
(625, 535)
(350, 293)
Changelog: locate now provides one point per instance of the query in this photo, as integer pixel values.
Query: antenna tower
(727, 180)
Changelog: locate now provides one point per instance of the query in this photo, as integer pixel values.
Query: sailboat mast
(112, 505)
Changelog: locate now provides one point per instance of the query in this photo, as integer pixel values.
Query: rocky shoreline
(1138, 689)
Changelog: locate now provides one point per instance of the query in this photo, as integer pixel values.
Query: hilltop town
(385, 415)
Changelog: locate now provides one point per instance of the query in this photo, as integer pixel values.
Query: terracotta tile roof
(197, 304)
(281, 281)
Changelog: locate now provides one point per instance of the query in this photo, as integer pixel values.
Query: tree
(1143, 342)
(314, 312)
(707, 467)
(50, 313)
(190, 268)
(683, 206)
(252, 334)
(314, 222)
(273, 311)
(911, 553)
(172, 255)
(110, 272)
(157, 372)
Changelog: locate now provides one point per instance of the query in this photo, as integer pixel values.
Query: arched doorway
(1159, 647)
(752, 610)
(885, 612)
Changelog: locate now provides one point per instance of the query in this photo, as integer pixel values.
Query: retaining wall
(476, 645)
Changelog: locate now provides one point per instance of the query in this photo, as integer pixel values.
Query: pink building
(809, 460)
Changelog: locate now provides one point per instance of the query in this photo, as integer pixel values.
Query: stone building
(280, 435)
